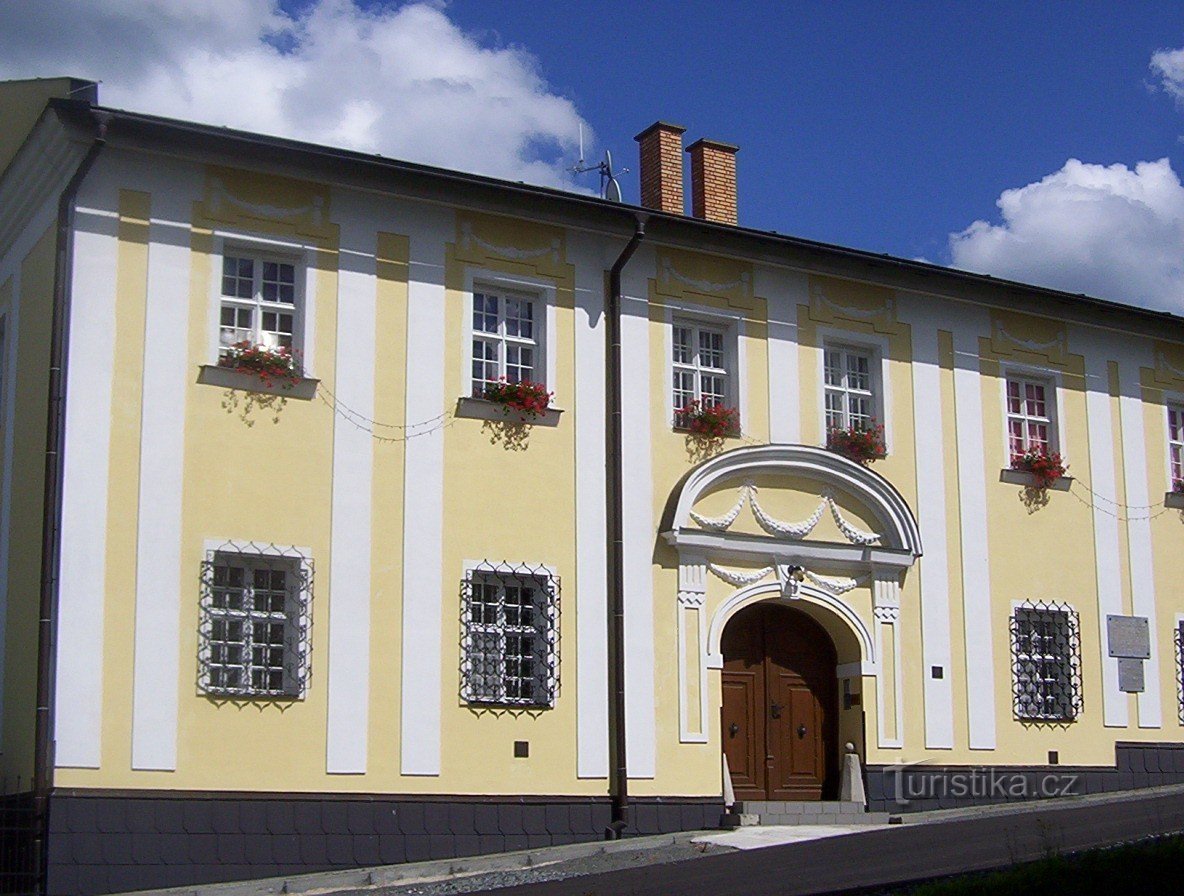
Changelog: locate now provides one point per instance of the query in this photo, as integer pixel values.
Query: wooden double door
(780, 704)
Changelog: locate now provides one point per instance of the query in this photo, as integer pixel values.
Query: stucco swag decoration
(834, 584)
(748, 492)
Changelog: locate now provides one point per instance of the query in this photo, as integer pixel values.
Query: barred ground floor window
(255, 616)
(510, 635)
(1046, 662)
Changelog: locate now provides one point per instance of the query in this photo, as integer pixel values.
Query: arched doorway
(780, 705)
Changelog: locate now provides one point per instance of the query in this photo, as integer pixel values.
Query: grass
(1152, 866)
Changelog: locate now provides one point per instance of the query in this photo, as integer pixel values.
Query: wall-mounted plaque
(1128, 637)
(1130, 676)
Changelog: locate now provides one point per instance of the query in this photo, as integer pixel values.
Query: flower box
(1046, 468)
(1029, 480)
(524, 399)
(304, 388)
(862, 444)
(710, 421)
(1174, 500)
(484, 409)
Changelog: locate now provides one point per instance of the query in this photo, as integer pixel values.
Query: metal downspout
(51, 515)
(619, 776)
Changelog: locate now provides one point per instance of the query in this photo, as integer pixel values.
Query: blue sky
(878, 125)
(944, 131)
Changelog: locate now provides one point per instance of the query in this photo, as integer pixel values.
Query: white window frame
(728, 372)
(845, 390)
(1175, 448)
(877, 348)
(1052, 398)
(542, 292)
(301, 256)
(296, 618)
(474, 570)
(1073, 675)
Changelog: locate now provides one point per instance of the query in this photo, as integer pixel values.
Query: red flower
(1046, 467)
(528, 399)
(712, 421)
(269, 364)
(862, 443)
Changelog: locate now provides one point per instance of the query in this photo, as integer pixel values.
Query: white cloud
(405, 82)
(1107, 231)
(1169, 66)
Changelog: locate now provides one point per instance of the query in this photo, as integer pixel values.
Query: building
(360, 613)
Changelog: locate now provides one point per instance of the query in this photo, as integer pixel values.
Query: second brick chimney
(713, 180)
(661, 167)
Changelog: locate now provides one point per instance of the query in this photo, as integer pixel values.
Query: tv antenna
(610, 189)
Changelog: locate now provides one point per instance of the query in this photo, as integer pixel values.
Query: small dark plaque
(521, 749)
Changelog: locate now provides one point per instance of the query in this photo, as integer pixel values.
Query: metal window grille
(505, 339)
(259, 301)
(700, 366)
(255, 622)
(510, 636)
(849, 393)
(1046, 663)
(1179, 638)
(1029, 417)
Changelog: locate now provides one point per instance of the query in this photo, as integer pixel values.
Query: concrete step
(777, 812)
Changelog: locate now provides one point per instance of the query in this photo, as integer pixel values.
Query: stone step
(770, 812)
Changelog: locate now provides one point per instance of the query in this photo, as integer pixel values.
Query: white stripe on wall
(78, 706)
(639, 526)
(162, 443)
(976, 576)
(423, 505)
(931, 511)
(591, 584)
(353, 470)
(1106, 543)
(784, 291)
(1138, 527)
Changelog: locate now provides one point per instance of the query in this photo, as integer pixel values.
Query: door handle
(775, 710)
(733, 729)
(801, 731)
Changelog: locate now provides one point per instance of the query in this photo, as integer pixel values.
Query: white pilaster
(167, 372)
(353, 473)
(692, 594)
(784, 291)
(931, 512)
(1105, 524)
(423, 509)
(976, 572)
(592, 602)
(886, 609)
(639, 523)
(1138, 529)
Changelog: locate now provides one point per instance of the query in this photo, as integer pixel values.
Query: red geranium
(1047, 467)
(714, 421)
(269, 364)
(527, 398)
(862, 443)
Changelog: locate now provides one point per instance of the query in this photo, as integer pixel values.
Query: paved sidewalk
(773, 861)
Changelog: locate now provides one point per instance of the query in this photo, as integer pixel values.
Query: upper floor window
(700, 366)
(260, 302)
(1176, 445)
(254, 630)
(1046, 662)
(850, 388)
(1029, 416)
(506, 339)
(510, 653)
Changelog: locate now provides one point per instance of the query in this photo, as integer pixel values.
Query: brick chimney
(713, 180)
(661, 167)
